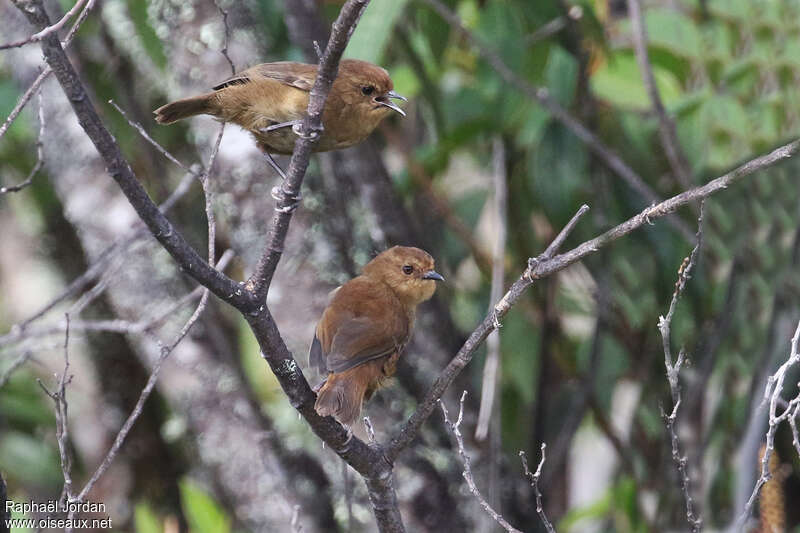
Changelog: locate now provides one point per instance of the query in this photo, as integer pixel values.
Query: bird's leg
(275, 165)
(278, 192)
(280, 125)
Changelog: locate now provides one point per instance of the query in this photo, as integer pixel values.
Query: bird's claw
(292, 200)
(297, 128)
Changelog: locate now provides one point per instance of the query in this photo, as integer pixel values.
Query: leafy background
(581, 356)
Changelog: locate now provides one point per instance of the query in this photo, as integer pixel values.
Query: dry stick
(59, 397)
(224, 50)
(138, 127)
(793, 424)
(549, 263)
(39, 155)
(534, 479)
(36, 37)
(24, 99)
(673, 370)
(772, 393)
(454, 428)
(491, 367)
(542, 96)
(666, 126)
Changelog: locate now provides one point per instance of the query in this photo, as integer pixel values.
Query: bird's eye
(408, 270)
(367, 90)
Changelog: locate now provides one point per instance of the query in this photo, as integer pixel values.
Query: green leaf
(561, 74)
(373, 31)
(202, 512)
(674, 31)
(619, 82)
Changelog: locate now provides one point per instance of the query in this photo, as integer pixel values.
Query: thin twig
(59, 397)
(666, 126)
(36, 37)
(138, 127)
(534, 479)
(24, 99)
(39, 155)
(454, 428)
(491, 367)
(224, 50)
(673, 371)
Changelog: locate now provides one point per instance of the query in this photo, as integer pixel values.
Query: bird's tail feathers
(341, 396)
(186, 107)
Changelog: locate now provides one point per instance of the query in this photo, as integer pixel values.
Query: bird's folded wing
(363, 339)
(298, 75)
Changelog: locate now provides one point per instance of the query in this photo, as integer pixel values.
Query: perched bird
(268, 99)
(365, 327)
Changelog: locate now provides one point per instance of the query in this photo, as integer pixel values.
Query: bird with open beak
(268, 99)
(365, 328)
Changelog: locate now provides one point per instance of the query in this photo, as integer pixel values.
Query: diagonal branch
(666, 126)
(549, 263)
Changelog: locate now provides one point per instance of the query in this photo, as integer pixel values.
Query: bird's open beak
(432, 274)
(384, 101)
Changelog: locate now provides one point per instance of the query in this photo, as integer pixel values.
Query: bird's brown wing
(298, 75)
(361, 339)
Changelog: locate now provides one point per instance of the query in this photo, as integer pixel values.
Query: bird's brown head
(408, 271)
(368, 88)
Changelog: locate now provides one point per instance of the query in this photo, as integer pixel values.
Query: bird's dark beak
(392, 94)
(432, 274)
(384, 101)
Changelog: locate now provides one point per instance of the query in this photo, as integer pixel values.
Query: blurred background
(218, 447)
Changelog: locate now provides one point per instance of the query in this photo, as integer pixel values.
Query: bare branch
(666, 126)
(59, 397)
(224, 50)
(36, 37)
(772, 393)
(548, 263)
(542, 96)
(534, 479)
(138, 127)
(24, 99)
(39, 155)
(454, 427)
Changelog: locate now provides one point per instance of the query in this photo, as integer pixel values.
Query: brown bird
(365, 328)
(268, 99)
